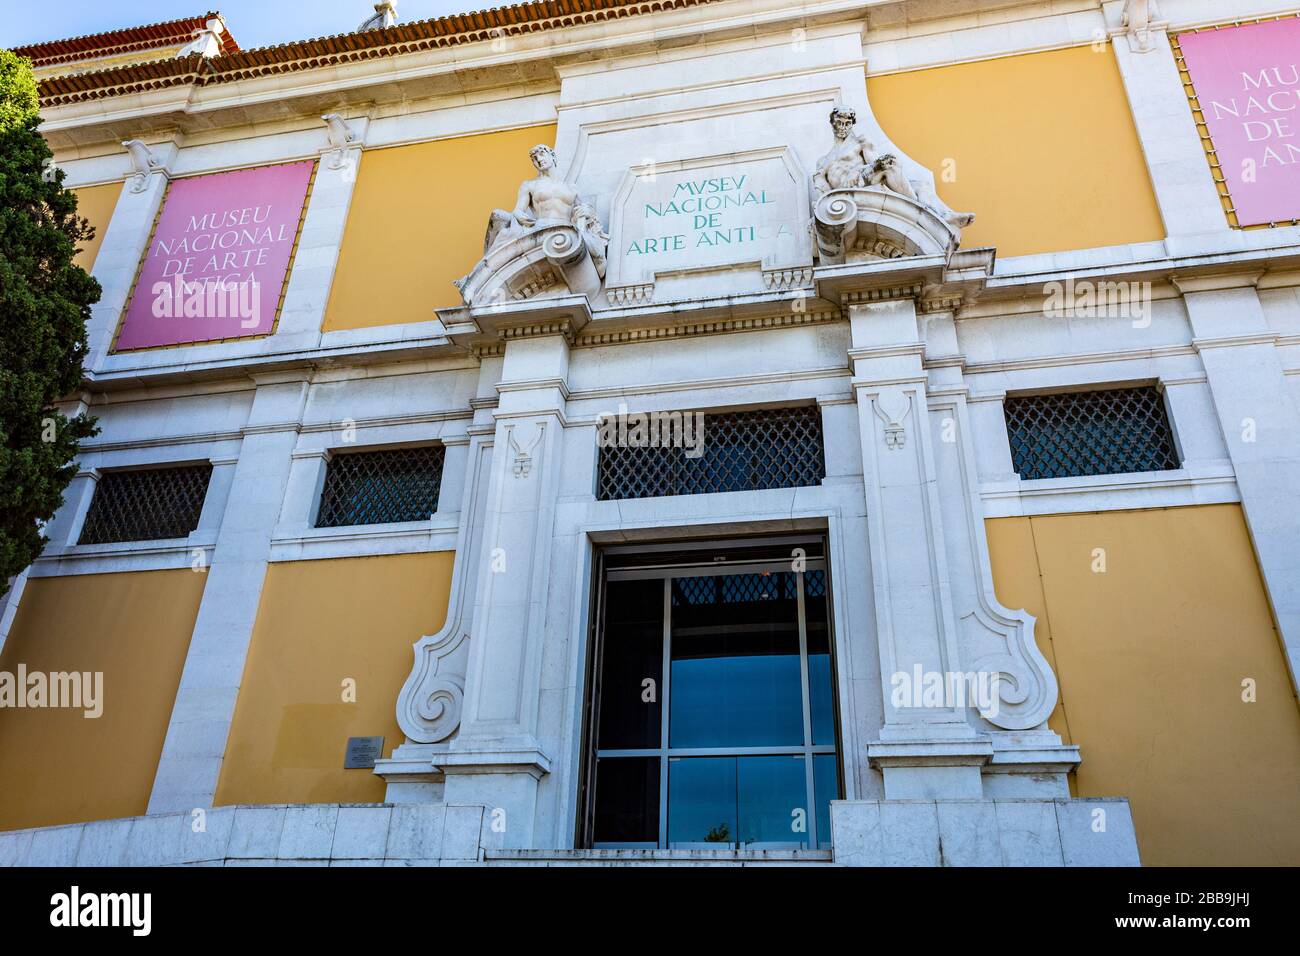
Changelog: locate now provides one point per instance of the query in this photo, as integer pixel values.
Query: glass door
(715, 709)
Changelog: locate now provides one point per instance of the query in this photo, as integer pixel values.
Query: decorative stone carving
(206, 42)
(430, 703)
(864, 203)
(523, 460)
(341, 138)
(877, 223)
(143, 165)
(1140, 17)
(892, 408)
(385, 16)
(552, 241)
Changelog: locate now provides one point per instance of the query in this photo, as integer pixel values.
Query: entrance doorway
(712, 718)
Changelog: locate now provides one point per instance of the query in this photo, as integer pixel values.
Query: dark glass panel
(735, 663)
(627, 800)
(826, 787)
(772, 793)
(633, 653)
(702, 800)
(821, 690)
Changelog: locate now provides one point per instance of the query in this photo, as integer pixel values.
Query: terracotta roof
(126, 40)
(346, 47)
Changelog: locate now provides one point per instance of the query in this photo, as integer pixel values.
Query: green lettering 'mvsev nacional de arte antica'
(705, 201)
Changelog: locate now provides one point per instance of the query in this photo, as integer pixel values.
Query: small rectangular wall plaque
(362, 753)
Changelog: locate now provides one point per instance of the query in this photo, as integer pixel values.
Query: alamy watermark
(623, 429)
(1083, 298)
(75, 690)
(920, 688)
(209, 299)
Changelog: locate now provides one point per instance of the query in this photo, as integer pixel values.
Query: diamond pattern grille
(376, 487)
(733, 589)
(1110, 432)
(148, 504)
(742, 451)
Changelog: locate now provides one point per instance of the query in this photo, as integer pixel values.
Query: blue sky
(253, 22)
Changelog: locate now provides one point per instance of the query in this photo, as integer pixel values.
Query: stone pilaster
(205, 700)
(923, 751)
(496, 759)
(1261, 427)
(1180, 174)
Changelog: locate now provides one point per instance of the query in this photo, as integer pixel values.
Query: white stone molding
(144, 164)
(550, 260)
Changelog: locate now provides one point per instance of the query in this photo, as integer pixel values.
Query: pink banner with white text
(1247, 79)
(219, 257)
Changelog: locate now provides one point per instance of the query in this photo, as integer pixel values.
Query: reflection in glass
(702, 800)
(826, 787)
(735, 662)
(821, 698)
(772, 793)
(749, 757)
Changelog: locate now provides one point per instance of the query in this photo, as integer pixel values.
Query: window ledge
(1201, 482)
(698, 856)
(290, 543)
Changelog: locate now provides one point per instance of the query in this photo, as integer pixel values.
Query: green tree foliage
(45, 301)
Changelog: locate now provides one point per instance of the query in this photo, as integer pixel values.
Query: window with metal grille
(739, 451)
(376, 487)
(1109, 432)
(147, 504)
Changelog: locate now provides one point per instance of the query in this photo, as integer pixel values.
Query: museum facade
(676, 431)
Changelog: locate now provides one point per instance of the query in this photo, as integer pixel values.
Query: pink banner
(1247, 79)
(219, 257)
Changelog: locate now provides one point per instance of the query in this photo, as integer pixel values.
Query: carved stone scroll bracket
(997, 639)
(549, 260)
(430, 703)
(872, 223)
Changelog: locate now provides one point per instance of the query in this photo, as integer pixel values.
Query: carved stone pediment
(872, 222)
(549, 259)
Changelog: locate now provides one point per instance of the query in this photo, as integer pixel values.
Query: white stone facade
(908, 361)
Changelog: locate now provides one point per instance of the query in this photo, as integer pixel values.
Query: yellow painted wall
(57, 766)
(95, 203)
(1046, 153)
(417, 222)
(1151, 655)
(319, 623)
